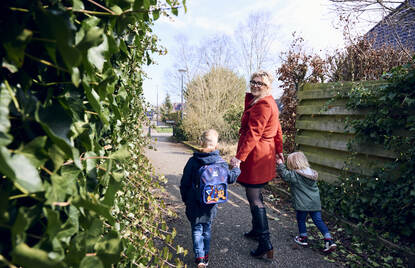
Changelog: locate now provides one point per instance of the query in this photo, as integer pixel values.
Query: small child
(305, 196)
(199, 214)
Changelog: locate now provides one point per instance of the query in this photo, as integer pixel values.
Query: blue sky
(311, 19)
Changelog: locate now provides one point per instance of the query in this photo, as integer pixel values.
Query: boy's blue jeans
(201, 238)
(318, 221)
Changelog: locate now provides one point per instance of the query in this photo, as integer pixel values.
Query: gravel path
(228, 246)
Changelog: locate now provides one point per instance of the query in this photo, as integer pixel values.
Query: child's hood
(207, 158)
(308, 173)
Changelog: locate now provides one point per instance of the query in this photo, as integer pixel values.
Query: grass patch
(164, 129)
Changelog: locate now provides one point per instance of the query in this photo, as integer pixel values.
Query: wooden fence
(322, 134)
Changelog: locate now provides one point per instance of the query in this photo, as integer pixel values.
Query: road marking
(238, 196)
(233, 203)
(268, 205)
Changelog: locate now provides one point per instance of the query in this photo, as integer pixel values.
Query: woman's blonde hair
(297, 160)
(209, 140)
(266, 77)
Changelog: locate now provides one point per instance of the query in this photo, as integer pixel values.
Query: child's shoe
(200, 262)
(301, 240)
(329, 245)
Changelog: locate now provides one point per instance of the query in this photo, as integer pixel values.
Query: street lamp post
(182, 71)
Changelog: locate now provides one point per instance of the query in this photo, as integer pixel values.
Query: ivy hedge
(75, 187)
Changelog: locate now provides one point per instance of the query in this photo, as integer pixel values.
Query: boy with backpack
(203, 185)
(305, 197)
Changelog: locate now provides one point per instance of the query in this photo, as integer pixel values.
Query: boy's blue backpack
(213, 183)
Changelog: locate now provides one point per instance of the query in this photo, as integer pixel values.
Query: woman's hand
(235, 162)
(280, 156)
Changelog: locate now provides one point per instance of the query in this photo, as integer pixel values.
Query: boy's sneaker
(301, 240)
(329, 245)
(200, 262)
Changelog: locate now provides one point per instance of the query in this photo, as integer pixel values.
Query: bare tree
(360, 7)
(213, 52)
(217, 51)
(255, 38)
(398, 16)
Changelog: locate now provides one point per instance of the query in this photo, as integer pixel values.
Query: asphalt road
(228, 246)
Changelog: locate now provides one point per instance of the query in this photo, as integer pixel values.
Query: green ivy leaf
(5, 100)
(93, 37)
(175, 11)
(32, 257)
(78, 5)
(94, 100)
(109, 248)
(96, 55)
(25, 218)
(60, 188)
(117, 10)
(91, 262)
(93, 204)
(54, 223)
(15, 50)
(113, 187)
(57, 124)
(34, 151)
(75, 76)
(138, 4)
(21, 171)
(55, 24)
(156, 14)
(70, 227)
(10, 67)
(121, 154)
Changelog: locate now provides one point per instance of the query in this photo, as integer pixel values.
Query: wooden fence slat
(338, 163)
(328, 126)
(341, 144)
(320, 110)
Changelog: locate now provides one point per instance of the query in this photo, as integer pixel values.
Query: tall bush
(209, 98)
(75, 188)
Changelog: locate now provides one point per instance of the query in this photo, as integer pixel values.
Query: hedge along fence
(322, 133)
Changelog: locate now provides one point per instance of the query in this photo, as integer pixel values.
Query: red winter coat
(260, 138)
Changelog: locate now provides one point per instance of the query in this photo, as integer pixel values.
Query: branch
(46, 63)
(101, 6)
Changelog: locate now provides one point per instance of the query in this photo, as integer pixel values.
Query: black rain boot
(253, 234)
(264, 246)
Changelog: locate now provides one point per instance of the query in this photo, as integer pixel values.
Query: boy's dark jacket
(304, 189)
(197, 212)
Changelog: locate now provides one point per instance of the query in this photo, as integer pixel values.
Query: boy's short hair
(209, 139)
(297, 160)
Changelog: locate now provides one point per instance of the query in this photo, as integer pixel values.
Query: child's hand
(235, 162)
(279, 161)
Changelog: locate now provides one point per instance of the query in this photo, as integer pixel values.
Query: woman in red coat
(260, 142)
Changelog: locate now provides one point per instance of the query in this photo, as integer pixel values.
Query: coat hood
(207, 158)
(308, 173)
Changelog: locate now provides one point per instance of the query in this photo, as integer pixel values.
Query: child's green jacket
(304, 189)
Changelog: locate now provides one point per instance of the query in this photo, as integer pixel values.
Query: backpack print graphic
(213, 185)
